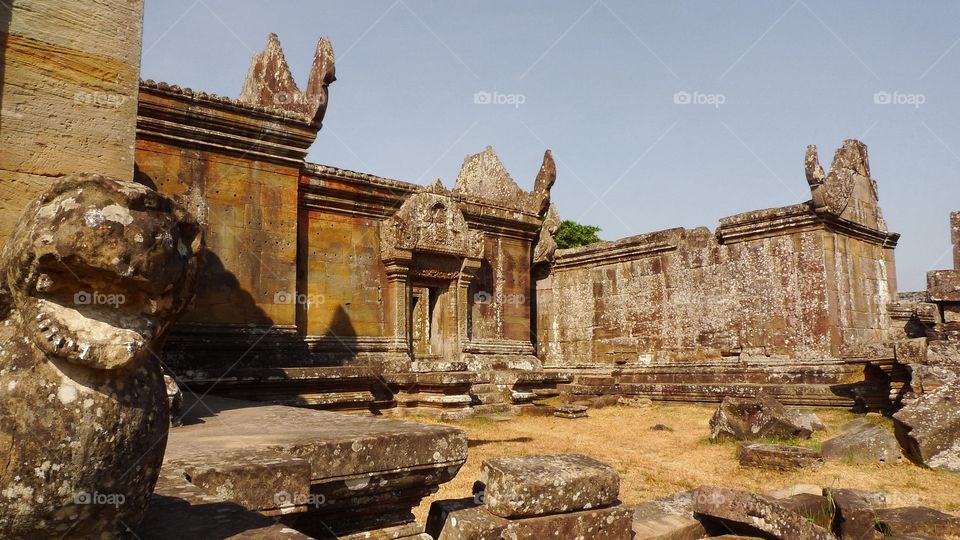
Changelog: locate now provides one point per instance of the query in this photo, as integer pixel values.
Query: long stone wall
(68, 87)
(800, 282)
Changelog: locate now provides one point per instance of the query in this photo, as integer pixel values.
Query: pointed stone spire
(270, 84)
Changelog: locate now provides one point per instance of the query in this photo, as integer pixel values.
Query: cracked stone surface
(731, 509)
(929, 429)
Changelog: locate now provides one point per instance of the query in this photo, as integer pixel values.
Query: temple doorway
(433, 331)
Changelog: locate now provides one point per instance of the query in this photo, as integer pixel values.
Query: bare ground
(654, 464)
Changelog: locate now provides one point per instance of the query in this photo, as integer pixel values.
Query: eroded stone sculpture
(92, 276)
(270, 83)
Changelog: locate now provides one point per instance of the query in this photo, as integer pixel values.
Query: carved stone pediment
(847, 191)
(429, 222)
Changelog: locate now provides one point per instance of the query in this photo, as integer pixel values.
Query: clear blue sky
(598, 80)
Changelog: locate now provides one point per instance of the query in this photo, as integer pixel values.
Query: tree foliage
(572, 234)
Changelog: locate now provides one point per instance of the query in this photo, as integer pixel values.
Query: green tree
(572, 234)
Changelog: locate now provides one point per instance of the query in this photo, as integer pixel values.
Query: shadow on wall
(222, 299)
(338, 344)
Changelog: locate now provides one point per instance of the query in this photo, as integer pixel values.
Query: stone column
(468, 273)
(955, 228)
(397, 302)
(70, 75)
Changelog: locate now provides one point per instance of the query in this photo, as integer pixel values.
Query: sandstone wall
(789, 287)
(501, 296)
(344, 279)
(247, 166)
(68, 94)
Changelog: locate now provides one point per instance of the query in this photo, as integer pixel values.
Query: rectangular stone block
(463, 519)
(527, 486)
(944, 285)
(955, 236)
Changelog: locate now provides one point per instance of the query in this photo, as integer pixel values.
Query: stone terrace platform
(289, 472)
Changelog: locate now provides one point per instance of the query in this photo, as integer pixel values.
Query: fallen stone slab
(570, 411)
(670, 518)
(929, 429)
(527, 486)
(810, 421)
(745, 419)
(741, 512)
(633, 401)
(867, 444)
(775, 457)
(917, 520)
(856, 512)
(465, 519)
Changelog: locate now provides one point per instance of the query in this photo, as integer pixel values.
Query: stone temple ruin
(151, 226)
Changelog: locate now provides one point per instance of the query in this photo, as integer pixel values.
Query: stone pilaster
(397, 301)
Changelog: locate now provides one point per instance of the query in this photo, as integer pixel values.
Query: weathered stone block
(571, 411)
(816, 508)
(753, 418)
(670, 518)
(917, 520)
(866, 444)
(944, 285)
(855, 509)
(538, 485)
(463, 519)
(784, 458)
(743, 512)
(929, 429)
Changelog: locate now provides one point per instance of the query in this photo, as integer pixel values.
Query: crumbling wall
(801, 281)
(69, 94)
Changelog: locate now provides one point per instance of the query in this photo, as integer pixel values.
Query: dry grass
(654, 464)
